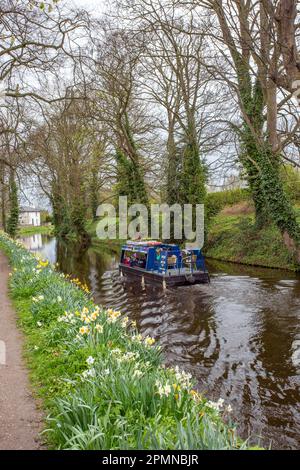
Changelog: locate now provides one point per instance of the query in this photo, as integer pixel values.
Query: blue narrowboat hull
(168, 279)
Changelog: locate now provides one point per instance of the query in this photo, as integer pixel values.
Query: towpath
(20, 419)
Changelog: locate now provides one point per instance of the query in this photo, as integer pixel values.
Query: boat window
(139, 260)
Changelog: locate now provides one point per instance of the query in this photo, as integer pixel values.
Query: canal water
(238, 336)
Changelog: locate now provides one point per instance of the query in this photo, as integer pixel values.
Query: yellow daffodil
(84, 330)
(113, 315)
(94, 316)
(43, 264)
(149, 341)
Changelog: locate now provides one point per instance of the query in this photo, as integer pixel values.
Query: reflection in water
(33, 243)
(239, 336)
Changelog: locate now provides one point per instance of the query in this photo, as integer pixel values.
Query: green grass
(98, 244)
(234, 238)
(102, 385)
(43, 229)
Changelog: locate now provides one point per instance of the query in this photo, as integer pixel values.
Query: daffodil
(90, 360)
(137, 373)
(137, 338)
(124, 322)
(218, 405)
(43, 264)
(149, 341)
(94, 316)
(113, 315)
(84, 330)
(163, 390)
(176, 387)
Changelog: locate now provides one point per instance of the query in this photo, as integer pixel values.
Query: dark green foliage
(130, 180)
(174, 171)
(280, 208)
(236, 238)
(130, 174)
(61, 216)
(291, 183)
(13, 220)
(215, 202)
(253, 101)
(94, 195)
(193, 189)
(70, 219)
(262, 165)
(186, 173)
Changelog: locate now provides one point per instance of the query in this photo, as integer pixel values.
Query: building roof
(29, 209)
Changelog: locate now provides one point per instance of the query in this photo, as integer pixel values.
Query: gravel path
(20, 420)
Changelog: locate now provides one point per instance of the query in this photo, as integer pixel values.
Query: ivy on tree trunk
(13, 220)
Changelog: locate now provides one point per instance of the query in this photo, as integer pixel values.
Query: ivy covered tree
(13, 219)
(255, 68)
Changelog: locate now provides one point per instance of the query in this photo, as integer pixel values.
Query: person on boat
(133, 260)
(126, 260)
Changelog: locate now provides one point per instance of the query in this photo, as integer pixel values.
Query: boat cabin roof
(145, 246)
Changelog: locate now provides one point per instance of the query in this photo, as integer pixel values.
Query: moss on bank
(234, 237)
(43, 230)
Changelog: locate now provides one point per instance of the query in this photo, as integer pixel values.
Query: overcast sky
(90, 5)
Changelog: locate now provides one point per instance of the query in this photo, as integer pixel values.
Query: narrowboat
(164, 264)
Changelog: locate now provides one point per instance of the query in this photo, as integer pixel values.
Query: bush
(291, 181)
(216, 201)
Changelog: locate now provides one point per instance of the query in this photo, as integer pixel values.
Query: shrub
(216, 201)
(291, 181)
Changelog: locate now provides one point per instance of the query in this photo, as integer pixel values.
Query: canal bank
(233, 236)
(239, 337)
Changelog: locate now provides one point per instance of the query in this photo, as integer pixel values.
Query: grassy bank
(43, 229)
(103, 385)
(98, 244)
(233, 237)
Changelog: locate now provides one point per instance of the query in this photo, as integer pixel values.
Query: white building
(30, 216)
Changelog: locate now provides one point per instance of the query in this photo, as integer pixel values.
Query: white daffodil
(90, 360)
